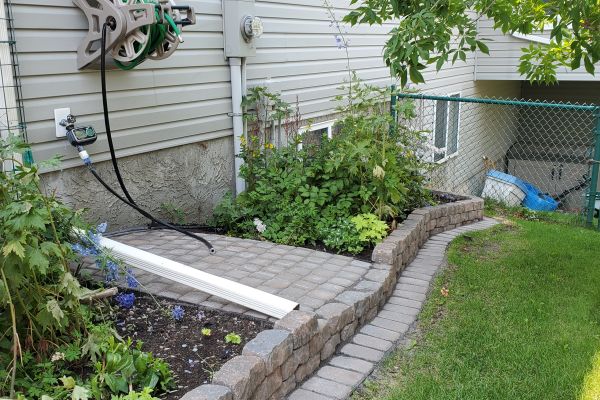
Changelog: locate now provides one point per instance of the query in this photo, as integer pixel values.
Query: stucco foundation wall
(193, 178)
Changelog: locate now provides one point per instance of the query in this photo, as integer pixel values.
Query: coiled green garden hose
(156, 34)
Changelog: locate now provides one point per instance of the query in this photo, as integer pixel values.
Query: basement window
(446, 129)
(312, 135)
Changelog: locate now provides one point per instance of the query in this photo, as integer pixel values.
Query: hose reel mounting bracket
(130, 22)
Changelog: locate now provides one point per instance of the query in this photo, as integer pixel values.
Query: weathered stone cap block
(302, 325)
(241, 375)
(273, 346)
(209, 392)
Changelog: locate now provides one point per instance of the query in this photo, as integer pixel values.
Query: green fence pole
(393, 112)
(595, 168)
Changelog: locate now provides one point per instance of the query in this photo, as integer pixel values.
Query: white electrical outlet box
(59, 115)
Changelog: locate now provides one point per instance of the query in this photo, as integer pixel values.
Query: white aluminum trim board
(246, 296)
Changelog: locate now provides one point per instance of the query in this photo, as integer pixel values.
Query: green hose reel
(141, 30)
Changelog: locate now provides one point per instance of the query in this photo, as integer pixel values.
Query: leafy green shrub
(370, 228)
(342, 236)
(308, 195)
(123, 368)
(49, 338)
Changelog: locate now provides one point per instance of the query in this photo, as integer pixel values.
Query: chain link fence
(517, 152)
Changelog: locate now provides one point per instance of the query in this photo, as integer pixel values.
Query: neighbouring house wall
(505, 51)
(193, 178)
(485, 133)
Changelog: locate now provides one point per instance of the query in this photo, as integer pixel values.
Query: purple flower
(177, 313)
(126, 300)
(130, 279)
(339, 42)
(200, 315)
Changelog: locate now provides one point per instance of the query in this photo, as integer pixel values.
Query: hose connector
(85, 157)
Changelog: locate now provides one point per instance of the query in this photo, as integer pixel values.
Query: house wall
(505, 50)
(164, 112)
(192, 178)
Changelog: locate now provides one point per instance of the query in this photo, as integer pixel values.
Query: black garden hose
(127, 199)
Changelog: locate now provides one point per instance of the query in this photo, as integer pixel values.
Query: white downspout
(235, 68)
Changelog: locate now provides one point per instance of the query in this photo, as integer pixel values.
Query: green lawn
(521, 320)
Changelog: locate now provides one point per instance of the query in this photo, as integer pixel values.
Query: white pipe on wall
(235, 68)
(246, 296)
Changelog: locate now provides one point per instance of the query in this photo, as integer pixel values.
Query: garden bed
(192, 356)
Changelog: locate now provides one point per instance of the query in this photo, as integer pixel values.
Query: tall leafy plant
(38, 293)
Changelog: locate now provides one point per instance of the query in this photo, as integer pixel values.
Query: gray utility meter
(240, 27)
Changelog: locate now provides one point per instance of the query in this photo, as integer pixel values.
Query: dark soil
(192, 356)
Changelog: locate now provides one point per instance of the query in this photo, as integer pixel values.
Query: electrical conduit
(235, 68)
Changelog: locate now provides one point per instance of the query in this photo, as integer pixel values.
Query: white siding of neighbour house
(505, 51)
(186, 98)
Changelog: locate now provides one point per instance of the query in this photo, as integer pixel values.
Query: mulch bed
(193, 357)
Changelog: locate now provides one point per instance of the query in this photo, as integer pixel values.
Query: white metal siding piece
(246, 296)
(505, 51)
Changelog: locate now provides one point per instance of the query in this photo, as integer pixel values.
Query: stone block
(328, 388)
(337, 314)
(372, 342)
(361, 301)
(286, 387)
(302, 325)
(341, 375)
(241, 375)
(348, 331)
(209, 392)
(384, 252)
(307, 368)
(268, 386)
(353, 364)
(273, 346)
(364, 353)
(330, 346)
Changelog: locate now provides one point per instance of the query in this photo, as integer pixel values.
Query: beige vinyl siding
(297, 56)
(161, 104)
(505, 51)
(187, 97)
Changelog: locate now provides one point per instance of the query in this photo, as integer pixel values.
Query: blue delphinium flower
(111, 270)
(126, 300)
(177, 313)
(132, 282)
(82, 250)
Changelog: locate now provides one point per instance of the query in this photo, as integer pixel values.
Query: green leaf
(38, 260)
(80, 393)
(439, 64)
(54, 308)
(14, 246)
(589, 66)
(483, 47)
(68, 382)
(415, 75)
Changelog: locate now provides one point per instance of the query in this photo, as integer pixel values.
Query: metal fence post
(595, 169)
(393, 112)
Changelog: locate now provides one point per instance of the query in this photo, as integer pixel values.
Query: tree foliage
(440, 31)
